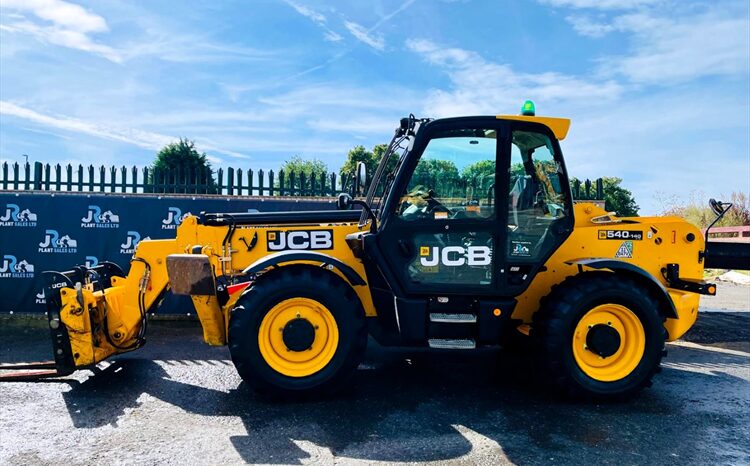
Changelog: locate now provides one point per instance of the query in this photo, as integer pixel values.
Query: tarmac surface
(178, 401)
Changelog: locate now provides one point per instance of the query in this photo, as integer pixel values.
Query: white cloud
(376, 41)
(71, 25)
(585, 26)
(600, 4)
(61, 13)
(482, 86)
(317, 18)
(136, 137)
(675, 49)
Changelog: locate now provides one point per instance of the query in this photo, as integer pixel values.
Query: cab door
(443, 228)
(540, 212)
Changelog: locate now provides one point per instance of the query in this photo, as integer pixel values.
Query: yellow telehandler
(468, 236)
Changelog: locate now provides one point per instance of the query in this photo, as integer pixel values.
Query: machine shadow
(404, 399)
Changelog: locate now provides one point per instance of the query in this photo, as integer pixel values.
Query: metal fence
(134, 180)
(230, 182)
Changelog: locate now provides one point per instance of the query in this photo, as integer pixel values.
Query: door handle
(405, 247)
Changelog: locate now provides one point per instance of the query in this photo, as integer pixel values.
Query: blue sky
(658, 90)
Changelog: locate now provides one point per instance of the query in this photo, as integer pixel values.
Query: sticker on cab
(633, 235)
(520, 248)
(625, 251)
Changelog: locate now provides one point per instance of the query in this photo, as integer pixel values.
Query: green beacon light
(528, 108)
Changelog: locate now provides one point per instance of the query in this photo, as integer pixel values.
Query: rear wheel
(599, 335)
(299, 330)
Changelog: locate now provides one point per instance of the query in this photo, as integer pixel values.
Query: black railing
(237, 182)
(231, 182)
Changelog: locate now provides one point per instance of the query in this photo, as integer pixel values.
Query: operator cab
(439, 200)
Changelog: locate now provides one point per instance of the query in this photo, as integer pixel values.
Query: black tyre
(599, 335)
(296, 331)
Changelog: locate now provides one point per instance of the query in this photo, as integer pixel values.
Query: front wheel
(297, 331)
(600, 336)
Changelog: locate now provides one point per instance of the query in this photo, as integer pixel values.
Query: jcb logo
(455, 256)
(299, 239)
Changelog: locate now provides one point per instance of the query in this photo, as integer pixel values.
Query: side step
(445, 343)
(453, 318)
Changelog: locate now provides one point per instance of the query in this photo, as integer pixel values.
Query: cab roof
(559, 126)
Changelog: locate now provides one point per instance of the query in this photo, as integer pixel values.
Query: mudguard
(307, 256)
(622, 266)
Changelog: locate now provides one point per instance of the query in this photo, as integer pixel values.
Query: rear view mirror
(361, 177)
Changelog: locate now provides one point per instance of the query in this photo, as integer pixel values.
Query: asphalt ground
(178, 401)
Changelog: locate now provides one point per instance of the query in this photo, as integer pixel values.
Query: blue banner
(55, 231)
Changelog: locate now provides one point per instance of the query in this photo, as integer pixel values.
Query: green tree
(360, 154)
(441, 175)
(182, 157)
(307, 166)
(618, 199)
(481, 170)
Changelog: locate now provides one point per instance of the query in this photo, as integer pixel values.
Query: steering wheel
(433, 204)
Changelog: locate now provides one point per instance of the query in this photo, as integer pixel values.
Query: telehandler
(468, 236)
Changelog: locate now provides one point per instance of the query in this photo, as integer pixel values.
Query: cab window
(536, 199)
(454, 178)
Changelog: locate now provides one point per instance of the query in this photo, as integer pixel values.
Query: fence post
(134, 183)
(37, 175)
(15, 175)
(26, 175)
(112, 178)
(230, 181)
(281, 182)
(260, 181)
(291, 183)
(5, 175)
(58, 173)
(599, 189)
(91, 178)
(148, 186)
(102, 178)
(270, 183)
(588, 188)
(209, 186)
(47, 176)
(80, 177)
(69, 176)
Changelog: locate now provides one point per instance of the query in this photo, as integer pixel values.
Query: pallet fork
(99, 277)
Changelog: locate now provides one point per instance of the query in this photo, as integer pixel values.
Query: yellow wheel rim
(304, 362)
(625, 359)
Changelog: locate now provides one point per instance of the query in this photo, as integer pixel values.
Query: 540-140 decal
(632, 235)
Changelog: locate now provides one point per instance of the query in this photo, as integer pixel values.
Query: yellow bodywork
(664, 241)
(119, 304)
